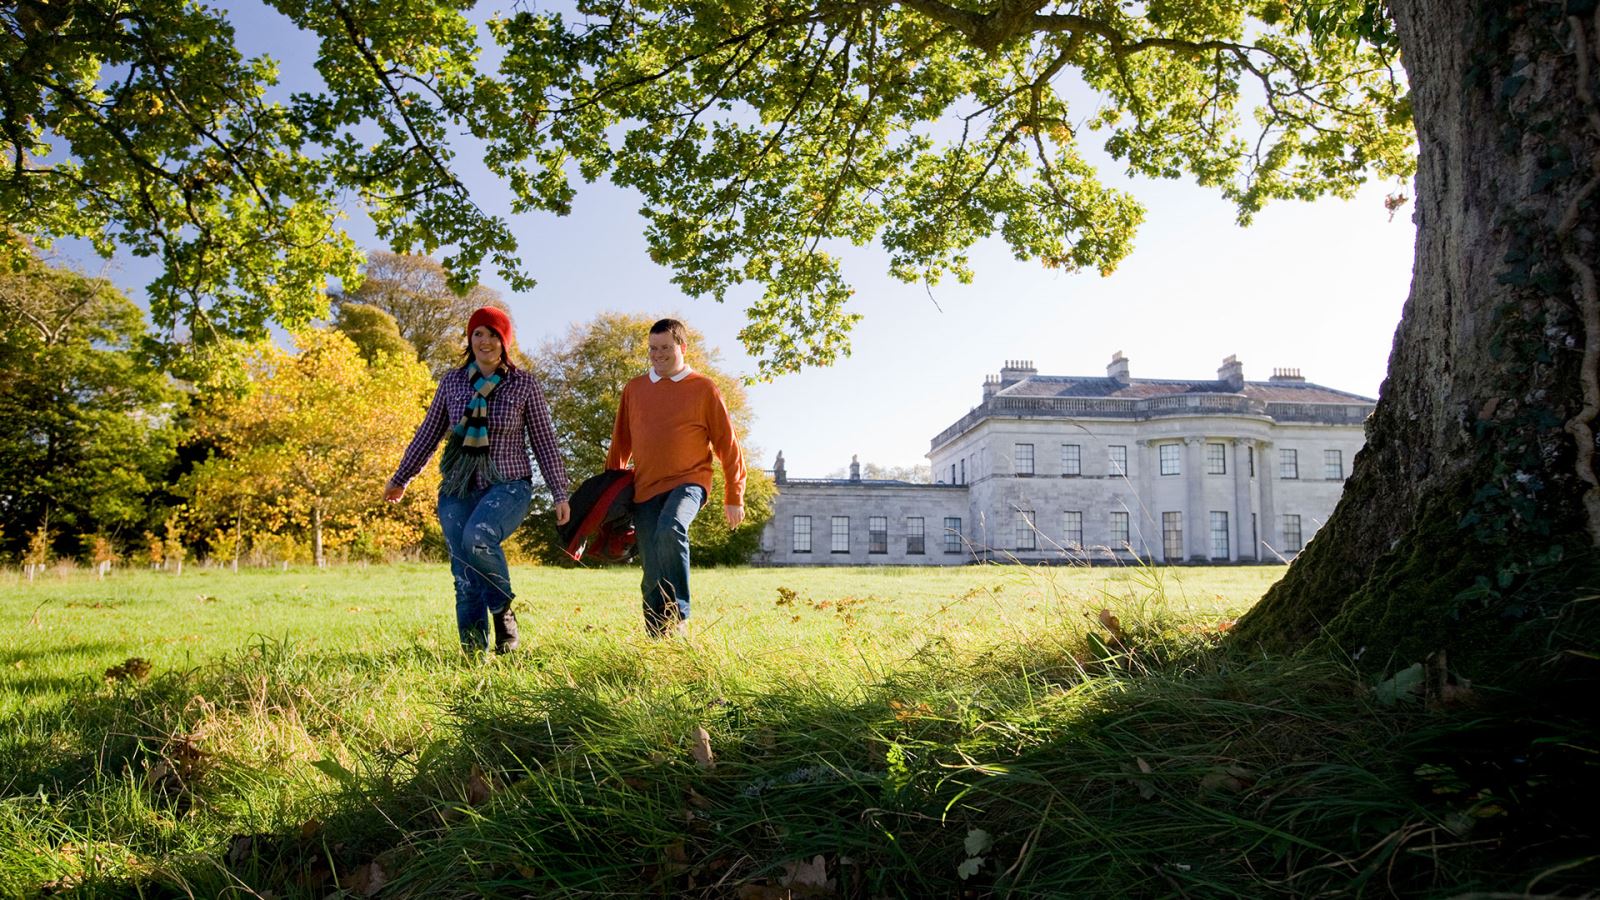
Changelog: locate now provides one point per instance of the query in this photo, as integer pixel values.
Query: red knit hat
(495, 318)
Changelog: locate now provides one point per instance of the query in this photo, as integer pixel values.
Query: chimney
(1016, 369)
(1286, 375)
(855, 468)
(1118, 370)
(1232, 373)
(991, 386)
(779, 475)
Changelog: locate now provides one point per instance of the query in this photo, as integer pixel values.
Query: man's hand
(734, 512)
(563, 512)
(393, 492)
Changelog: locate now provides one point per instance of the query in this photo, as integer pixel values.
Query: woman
(496, 410)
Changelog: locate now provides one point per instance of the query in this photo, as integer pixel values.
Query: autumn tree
(89, 426)
(583, 375)
(428, 311)
(304, 446)
(374, 332)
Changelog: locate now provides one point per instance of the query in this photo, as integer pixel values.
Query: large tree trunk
(1469, 520)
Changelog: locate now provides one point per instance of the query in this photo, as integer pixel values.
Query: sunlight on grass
(881, 732)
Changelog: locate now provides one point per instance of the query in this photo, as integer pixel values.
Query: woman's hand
(563, 512)
(393, 492)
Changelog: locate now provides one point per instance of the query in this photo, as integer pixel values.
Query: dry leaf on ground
(700, 748)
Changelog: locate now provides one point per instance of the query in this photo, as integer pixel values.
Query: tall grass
(978, 732)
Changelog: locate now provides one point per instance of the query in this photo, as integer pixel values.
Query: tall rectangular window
(1288, 464)
(802, 534)
(1072, 529)
(1024, 530)
(1172, 536)
(1071, 459)
(952, 473)
(1219, 535)
(877, 534)
(1250, 456)
(841, 534)
(1216, 459)
(1333, 465)
(963, 471)
(1119, 530)
(1023, 458)
(915, 538)
(1119, 458)
(1171, 456)
(1291, 533)
(952, 534)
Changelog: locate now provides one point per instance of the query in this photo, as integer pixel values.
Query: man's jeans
(661, 526)
(474, 527)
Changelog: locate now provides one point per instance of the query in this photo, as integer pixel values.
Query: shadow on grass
(1029, 774)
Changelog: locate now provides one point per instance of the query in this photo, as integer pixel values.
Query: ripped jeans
(474, 527)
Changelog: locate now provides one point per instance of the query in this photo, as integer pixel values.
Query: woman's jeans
(661, 527)
(474, 527)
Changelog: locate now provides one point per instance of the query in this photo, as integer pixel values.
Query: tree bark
(1463, 526)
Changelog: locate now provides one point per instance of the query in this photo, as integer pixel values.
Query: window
(963, 471)
(1172, 536)
(1119, 459)
(1024, 530)
(877, 534)
(1119, 530)
(1170, 456)
(952, 473)
(802, 534)
(1072, 529)
(1024, 459)
(915, 539)
(1333, 465)
(1288, 464)
(1255, 538)
(952, 534)
(1216, 459)
(1291, 533)
(841, 534)
(1071, 459)
(1219, 535)
(1250, 455)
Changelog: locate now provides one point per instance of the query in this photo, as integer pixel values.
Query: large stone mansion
(1053, 468)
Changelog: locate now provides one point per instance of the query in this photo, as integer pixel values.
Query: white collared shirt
(678, 377)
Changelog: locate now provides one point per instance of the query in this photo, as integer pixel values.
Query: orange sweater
(670, 429)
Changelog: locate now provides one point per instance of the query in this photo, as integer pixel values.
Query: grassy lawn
(981, 731)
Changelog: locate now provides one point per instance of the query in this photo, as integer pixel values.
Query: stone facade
(1064, 469)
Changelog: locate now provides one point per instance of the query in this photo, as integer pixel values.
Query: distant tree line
(265, 454)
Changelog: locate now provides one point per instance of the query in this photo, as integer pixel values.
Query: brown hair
(678, 330)
(505, 352)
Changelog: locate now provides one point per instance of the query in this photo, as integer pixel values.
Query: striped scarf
(466, 450)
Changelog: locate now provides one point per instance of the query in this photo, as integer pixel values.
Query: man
(671, 421)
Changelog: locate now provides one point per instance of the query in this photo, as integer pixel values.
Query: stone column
(1196, 523)
(1146, 518)
(1241, 548)
(1267, 518)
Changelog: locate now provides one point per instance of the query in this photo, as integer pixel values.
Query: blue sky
(1315, 286)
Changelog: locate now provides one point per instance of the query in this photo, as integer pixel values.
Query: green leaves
(762, 138)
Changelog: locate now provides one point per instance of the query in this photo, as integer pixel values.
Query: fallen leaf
(366, 880)
(135, 668)
(700, 748)
(1113, 626)
(807, 874)
(478, 787)
(978, 841)
(970, 867)
(310, 828)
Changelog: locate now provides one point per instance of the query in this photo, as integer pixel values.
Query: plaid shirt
(518, 417)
